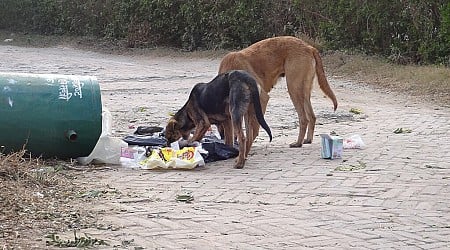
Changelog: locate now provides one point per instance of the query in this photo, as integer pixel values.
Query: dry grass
(36, 198)
(430, 83)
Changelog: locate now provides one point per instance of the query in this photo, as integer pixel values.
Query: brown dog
(224, 101)
(272, 58)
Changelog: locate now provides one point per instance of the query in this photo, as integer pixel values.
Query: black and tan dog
(225, 101)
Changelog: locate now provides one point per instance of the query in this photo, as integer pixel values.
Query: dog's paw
(295, 145)
(183, 143)
(239, 166)
(307, 141)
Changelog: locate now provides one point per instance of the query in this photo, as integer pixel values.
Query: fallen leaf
(361, 165)
(185, 197)
(356, 111)
(402, 131)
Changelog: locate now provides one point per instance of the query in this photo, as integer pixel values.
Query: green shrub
(410, 31)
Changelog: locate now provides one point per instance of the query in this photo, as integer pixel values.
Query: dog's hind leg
(263, 99)
(236, 119)
(240, 161)
(228, 133)
(297, 99)
(249, 132)
(299, 84)
(253, 124)
(311, 121)
(239, 103)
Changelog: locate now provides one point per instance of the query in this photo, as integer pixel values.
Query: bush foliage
(406, 31)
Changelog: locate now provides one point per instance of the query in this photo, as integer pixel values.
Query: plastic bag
(185, 158)
(218, 151)
(107, 150)
(131, 156)
(145, 140)
(354, 141)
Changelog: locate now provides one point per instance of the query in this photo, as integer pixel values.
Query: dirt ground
(283, 198)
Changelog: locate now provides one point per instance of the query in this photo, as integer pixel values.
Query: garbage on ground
(184, 143)
(356, 111)
(161, 157)
(402, 131)
(360, 165)
(186, 196)
(148, 130)
(107, 150)
(166, 158)
(147, 149)
(331, 146)
(353, 142)
(217, 150)
(132, 155)
(145, 140)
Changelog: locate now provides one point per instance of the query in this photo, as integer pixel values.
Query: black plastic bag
(218, 151)
(145, 140)
(148, 130)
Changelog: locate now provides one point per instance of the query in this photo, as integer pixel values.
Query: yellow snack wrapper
(185, 158)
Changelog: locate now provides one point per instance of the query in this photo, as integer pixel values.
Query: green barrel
(51, 115)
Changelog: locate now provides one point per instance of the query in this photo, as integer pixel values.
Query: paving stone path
(393, 194)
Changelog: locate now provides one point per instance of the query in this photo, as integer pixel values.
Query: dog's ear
(172, 124)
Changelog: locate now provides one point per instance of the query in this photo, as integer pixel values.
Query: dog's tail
(323, 83)
(254, 92)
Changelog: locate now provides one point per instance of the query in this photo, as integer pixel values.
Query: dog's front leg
(200, 130)
(201, 123)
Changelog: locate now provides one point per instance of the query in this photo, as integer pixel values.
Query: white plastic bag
(354, 141)
(131, 156)
(107, 150)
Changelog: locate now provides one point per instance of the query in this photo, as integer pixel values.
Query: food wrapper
(169, 158)
(131, 156)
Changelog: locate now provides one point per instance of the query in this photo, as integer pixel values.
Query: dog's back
(212, 97)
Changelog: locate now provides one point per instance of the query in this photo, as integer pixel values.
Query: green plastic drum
(51, 115)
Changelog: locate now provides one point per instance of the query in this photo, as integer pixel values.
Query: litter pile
(332, 146)
(147, 148)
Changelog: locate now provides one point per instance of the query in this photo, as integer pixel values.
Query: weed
(79, 242)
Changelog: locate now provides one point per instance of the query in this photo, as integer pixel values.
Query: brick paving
(284, 198)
